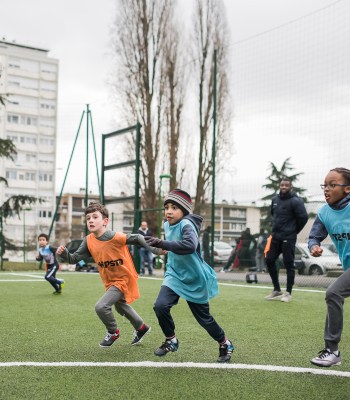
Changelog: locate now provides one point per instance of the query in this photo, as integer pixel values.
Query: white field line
(21, 280)
(152, 364)
(250, 286)
(269, 287)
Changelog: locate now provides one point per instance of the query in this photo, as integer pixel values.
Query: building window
(236, 227)
(30, 157)
(28, 120)
(12, 119)
(13, 139)
(238, 213)
(11, 174)
(29, 176)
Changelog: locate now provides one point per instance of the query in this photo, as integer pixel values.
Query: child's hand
(163, 252)
(153, 241)
(60, 250)
(316, 251)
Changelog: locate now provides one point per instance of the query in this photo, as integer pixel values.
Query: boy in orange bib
(110, 251)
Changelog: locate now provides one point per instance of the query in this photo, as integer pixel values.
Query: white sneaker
(287, 297)
(326, 358)
(274, 295)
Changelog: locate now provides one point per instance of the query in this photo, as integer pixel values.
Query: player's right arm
(63, 255)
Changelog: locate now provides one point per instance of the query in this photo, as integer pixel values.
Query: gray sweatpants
(103, 308)
(335, 295)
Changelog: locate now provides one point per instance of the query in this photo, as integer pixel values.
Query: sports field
(50, 346)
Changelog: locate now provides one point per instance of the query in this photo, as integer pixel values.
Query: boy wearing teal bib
(333, 219)
(187, 275)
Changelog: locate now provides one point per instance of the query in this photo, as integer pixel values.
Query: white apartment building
(30, 78)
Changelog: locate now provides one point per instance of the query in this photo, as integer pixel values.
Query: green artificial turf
(37, 326)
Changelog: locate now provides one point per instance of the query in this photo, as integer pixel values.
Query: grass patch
(37, 326)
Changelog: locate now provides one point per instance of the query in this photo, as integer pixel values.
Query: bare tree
(175, 69)
(141, 31)
(211, 33)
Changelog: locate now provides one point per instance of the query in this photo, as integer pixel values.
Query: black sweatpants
(167, 298)
(287, 248)
(50, 276)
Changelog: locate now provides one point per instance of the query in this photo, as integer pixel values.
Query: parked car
(306, 264)
(330, 246)
(222, 251)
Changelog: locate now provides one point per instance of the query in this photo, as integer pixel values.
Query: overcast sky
(290, 73)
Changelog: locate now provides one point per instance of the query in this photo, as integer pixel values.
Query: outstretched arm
(63, 255)
(137, 239)
(187, 245)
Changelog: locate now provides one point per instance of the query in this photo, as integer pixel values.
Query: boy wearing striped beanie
(187, 275)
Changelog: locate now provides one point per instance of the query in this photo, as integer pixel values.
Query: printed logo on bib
(112, 263)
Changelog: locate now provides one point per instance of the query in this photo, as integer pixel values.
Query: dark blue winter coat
(289, 216)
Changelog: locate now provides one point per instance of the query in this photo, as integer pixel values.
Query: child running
(47, 254)
(187, 275)
(333, 219)
(110, 251)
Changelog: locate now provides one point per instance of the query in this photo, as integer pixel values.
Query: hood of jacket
(341, 203)
(197, 221)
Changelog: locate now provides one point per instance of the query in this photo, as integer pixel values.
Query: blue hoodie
(187, 274)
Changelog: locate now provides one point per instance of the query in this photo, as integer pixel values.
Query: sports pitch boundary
(152, 364)
(39, 278)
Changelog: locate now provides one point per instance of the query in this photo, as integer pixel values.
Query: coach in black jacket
(289, 217)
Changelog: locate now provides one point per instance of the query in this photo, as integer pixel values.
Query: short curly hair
(96, 206)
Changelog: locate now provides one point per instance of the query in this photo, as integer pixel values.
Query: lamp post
(24, 232)
(161, 177)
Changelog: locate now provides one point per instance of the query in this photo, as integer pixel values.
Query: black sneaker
(109, 339)
(165, 347)
(225, 352)
(139, 335)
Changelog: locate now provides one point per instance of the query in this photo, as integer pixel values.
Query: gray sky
(290, 81)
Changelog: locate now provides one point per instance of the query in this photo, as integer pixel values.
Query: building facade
(70, 220)
(232, 219)
(29, 78)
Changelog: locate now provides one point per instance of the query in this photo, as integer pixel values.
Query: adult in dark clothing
(145, 254)
(206, 244)
(289, 217)
(259, 254)
(245, 253)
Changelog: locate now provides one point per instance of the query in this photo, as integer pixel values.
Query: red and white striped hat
(180, 198)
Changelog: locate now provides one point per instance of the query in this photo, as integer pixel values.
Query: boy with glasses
(333, 219)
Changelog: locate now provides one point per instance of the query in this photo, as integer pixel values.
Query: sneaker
(225, 352)
(326, 358)
(274, 295)
(57, 292)
(139, 335)
(286, 297)
(165, 347)
(109, 339)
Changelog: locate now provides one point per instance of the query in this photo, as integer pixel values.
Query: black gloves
(153, 241)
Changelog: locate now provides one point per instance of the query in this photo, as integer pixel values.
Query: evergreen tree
(274, 180)
(14, 204)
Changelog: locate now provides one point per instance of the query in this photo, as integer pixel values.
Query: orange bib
(115, 264)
